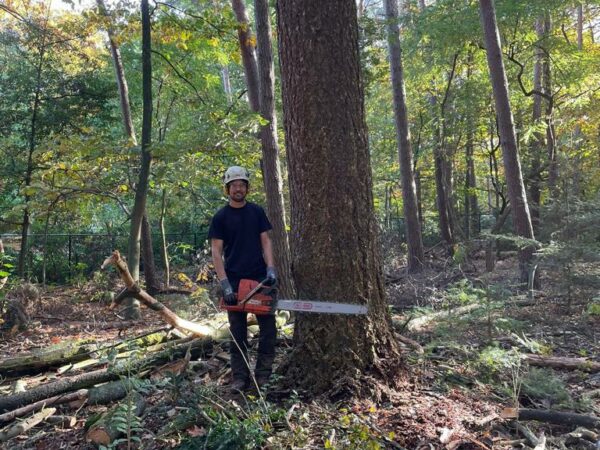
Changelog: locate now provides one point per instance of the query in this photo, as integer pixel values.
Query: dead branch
(560, 418)
(26, 425)
(105, 430)
(558, 362)
(133, 290)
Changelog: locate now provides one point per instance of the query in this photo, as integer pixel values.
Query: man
(241, 249)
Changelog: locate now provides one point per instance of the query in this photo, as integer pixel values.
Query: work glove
(229, 297)
(271, 276)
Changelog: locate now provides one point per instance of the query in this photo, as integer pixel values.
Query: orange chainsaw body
(258, 304)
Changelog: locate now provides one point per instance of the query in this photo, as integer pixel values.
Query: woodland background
(115, 131)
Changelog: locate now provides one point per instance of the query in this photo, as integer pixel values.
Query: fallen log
(62, 421)
(26, 424)
(558, 362)
(53, 355)
(97, 395)
(86, 380)
(559, 418)
(110, 425)
(133, 290)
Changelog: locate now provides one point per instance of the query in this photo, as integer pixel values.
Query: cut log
(560, 418)
(62, 421)
(86, 380)
(26, 424)
(558, 362)
(53, 355)
(106, 429)
(133, 290)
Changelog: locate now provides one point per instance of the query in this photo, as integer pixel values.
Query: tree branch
(179, 74)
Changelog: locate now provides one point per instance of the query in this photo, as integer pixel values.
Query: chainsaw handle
(253, 292)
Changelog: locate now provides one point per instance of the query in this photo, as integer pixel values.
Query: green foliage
(463, 292)
(544, 386)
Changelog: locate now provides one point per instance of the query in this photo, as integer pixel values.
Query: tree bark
(510, 152)
(119, 75)
(550, 132)
(247, 45)
(54, 355)
(88, 379)
(580, 26)
(163, 239)
(141, 192)
(270, 148)
(335, 255)
(152, 283)
(414, 239)
(537, 144)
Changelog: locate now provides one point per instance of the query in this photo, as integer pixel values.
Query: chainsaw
(260, 298)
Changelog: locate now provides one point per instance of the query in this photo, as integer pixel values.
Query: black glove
(271, 276)
(229, 297)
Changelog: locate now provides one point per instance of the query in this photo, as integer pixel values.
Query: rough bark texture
(335, 255)
(247, 44)
(141, 192)
(270, 148)
(54, 355)
(414, 239)
(510, 153)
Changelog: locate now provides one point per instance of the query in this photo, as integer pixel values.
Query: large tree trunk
(247, 44)
(414, 239)
(335, 254)
(270, 148)
(141, 192)
(471, 204)
(510, 152)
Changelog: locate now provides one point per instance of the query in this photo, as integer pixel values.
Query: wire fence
(65, 256)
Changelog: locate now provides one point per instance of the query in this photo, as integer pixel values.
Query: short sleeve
(216, 230)
(264, 224)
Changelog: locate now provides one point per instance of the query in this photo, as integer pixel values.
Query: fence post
(70, 252)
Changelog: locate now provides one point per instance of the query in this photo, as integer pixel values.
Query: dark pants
(238, 348)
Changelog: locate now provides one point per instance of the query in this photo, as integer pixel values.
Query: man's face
(238, 190)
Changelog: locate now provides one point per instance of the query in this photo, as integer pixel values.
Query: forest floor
(464, 373)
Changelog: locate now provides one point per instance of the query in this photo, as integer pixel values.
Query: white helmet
(235, 173)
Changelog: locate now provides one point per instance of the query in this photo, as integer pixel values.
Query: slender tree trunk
(580, 26)
(247, 45)
(537, 143)
(119, 75)
(163, 239)
(141, 193)
(335, 251)
(29, 169)
(414, 239)
(152, 283)
(270, 148)
(512, 163)
(226, 83)
(550, 133)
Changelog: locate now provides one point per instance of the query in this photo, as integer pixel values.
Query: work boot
(238, 385)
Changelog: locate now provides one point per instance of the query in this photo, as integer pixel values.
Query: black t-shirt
(240, 230)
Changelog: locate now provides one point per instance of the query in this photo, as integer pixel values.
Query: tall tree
(510, 152)
(141, 192)
(270, 148)
(123, 87)
(335, 255)
(414, 239)
(247, 46)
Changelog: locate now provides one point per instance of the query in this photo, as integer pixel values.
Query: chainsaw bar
(320, 307)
